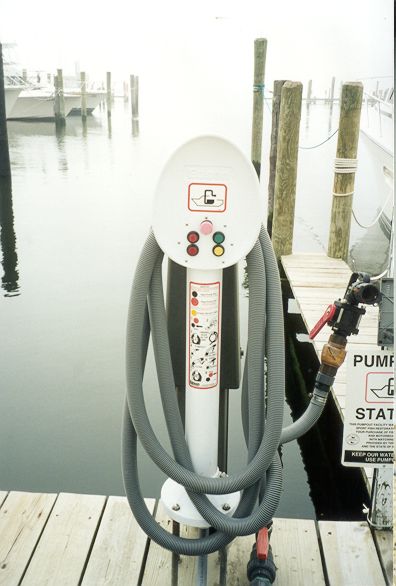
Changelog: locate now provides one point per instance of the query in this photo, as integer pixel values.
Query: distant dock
(91, 540)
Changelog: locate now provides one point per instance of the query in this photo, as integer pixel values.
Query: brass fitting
(333, 353)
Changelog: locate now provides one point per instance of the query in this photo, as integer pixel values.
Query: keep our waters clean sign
(369, 409)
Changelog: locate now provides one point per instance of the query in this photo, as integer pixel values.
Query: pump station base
(179, 507)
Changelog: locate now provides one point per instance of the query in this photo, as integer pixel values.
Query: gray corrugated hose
(262, 419)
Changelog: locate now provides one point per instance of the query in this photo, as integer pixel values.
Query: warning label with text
(369, 410)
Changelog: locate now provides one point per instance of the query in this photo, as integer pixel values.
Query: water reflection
(60, 132)
(84, 127)
(36, 128)
(135, 127)
(307, 117)
(9, 281)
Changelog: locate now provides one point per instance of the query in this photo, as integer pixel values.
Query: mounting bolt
(176, 507)
(226, 507)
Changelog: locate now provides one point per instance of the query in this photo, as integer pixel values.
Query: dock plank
(22, 518)
(158, 569)
(238, 554)
(311, 260)
(64, 545)
(118, 552)
(3, 495)
(350, 555)
(384, 542)
(296, 553)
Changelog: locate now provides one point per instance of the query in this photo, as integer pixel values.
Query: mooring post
(260, 53)
(381, 509)
(8, 248)
(332, 89)
(345, 169)
(5, 165)
(309, 91)
(125, 91)
(108, 93)
(286, 168)
(134, 85)
(59, 104)
(83, 84)
(56, 97)
(276, 100)
(24, 75)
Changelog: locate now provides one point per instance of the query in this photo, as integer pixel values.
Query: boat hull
(32, 106)
(93, 101)
(11, 96)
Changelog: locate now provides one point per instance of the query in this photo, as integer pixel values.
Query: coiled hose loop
(261, 480)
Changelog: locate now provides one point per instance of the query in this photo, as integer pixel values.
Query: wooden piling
(276, 100)
(126, 91)
(286, 168)
(344, 178)
(59, 104)
(83, 83)
(134, 86)
(108, 93)
(260, 53)
(24, 75)
(5, 165)
(332, 89)
(8, 247)
(309, 90)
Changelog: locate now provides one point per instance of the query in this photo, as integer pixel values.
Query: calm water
(71, 236)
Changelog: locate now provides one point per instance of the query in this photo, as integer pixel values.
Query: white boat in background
(37, 104)
(377, 130)
(377, 121)
(11, 95)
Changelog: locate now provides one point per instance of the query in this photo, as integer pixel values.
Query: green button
(218, 237)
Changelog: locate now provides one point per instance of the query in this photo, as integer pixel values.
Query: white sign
(369, 410)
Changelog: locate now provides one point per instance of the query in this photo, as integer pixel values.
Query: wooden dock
(91, 540)
(316, 281)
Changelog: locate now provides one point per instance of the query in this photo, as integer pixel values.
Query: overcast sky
(306, 39)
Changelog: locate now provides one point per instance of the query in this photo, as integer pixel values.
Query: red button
(193, 237)
(194, 301)
(192, 250)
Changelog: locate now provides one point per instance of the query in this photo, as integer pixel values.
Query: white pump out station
(206, 218)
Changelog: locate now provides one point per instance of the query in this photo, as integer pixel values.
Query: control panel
(207, 211)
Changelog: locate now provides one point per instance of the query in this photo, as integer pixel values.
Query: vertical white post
(381, 510)
(203, 329)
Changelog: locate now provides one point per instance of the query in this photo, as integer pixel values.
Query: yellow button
(193, 312)
(218, 250)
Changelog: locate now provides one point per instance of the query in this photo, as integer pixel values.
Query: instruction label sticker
(203, 334)
(369, 409)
